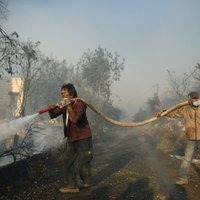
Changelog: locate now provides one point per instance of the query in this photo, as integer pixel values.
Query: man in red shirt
(79, 138)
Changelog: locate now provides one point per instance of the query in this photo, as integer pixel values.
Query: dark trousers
(78, 161)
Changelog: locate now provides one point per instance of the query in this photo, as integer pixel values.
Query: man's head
(193, 95)
(68, 91)
(193, 98)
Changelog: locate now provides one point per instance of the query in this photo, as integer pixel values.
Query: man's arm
(56, 111)
(178, 113)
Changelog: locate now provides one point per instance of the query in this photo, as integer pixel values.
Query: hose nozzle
(46, 109)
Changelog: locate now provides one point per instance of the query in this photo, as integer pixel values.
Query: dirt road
(131, 168)
(128, 167)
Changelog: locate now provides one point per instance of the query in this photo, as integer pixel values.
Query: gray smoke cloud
(42, 136)
(9, 128)
(49, 137)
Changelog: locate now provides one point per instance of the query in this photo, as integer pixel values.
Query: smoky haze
(43, 137)
(152, 36)
(11, 127)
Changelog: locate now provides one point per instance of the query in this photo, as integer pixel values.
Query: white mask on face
(196, 103)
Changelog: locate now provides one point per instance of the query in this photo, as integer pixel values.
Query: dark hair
(70, 88)
(193, 95)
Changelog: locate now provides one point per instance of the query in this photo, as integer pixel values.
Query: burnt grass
(125, 166)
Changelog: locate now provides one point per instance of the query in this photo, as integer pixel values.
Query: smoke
(44, 138)
(38, 137)
(49, 137)
(10, 128)
(164, 181)
(5, 160)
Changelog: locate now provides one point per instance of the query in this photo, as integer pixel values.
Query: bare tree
(180, 85)
(3, 10)
(154, 104)
(8, 53)
(53, 75)
(8, 44)
(22, 147)
(196, 72)
(27, 65)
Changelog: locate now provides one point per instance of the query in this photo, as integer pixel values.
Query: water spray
(10, 128)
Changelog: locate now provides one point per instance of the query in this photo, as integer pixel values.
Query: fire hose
(125, 124)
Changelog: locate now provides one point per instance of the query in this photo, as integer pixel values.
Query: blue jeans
(189, 151)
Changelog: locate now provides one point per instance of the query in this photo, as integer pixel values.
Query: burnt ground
(128, 167)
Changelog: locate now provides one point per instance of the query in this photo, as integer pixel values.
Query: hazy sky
(152, 36)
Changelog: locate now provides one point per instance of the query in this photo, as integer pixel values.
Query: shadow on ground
(139, 190)
(178, 193)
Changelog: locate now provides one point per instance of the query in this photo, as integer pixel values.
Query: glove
(158, 114)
